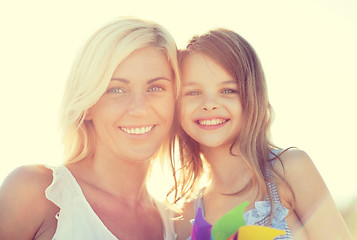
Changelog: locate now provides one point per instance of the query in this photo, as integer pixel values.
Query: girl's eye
(192, 93)
(155, 89)
(228, 91)
(116, 90)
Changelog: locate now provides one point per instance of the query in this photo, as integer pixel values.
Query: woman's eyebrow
(148, 81)
(157, 79)
(120, 80)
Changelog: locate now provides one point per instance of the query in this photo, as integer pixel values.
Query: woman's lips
(137, 131)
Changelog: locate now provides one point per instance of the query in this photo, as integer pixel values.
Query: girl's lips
(211, 123)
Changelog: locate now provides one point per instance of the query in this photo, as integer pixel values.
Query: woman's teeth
(137, 131)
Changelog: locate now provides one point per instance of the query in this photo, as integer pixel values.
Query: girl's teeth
(211, 122)
(137, 131)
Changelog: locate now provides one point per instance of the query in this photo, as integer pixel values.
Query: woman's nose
(138, 105)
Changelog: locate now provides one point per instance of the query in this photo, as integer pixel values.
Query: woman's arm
(23, 205)
(183, 226)
(314, 205)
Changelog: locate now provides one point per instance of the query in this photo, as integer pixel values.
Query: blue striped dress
(259, 215)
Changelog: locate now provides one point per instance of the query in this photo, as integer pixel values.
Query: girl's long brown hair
(239, 59)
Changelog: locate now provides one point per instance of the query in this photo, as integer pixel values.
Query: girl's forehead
(198, 66)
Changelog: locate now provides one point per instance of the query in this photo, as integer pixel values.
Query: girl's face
(210, 107)
(134, 115)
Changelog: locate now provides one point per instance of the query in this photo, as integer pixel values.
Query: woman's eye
(192, 93)
(115, 90)
(155, 89)
(228, 91)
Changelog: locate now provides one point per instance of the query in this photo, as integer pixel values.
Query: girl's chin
(213, 145)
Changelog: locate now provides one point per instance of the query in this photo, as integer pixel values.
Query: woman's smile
(138, 131)
(138, 103)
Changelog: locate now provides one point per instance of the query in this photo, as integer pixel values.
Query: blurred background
(308, 50)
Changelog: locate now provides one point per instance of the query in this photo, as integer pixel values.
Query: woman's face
(134, 115)
(210, 108)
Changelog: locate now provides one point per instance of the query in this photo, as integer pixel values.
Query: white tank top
(76, 219)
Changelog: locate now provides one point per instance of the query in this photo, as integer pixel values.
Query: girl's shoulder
(299, 172)
(294, 163)
(311, 199)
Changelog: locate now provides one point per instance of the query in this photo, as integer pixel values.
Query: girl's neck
(229, 173)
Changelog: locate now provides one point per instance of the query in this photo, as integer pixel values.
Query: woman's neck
(125, 180)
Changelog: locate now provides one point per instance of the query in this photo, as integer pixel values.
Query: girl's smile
(210, 108)
(211, 123)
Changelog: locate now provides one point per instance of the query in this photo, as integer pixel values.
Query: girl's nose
(209, 104)
(207, 108)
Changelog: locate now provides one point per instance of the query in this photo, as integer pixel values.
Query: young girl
(225, 118)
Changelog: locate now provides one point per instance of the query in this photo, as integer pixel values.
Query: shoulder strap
(271, 185)
(198, 203)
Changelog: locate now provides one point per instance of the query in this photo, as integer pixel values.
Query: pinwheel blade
(201, 229)
(253, 232)
(227, 225)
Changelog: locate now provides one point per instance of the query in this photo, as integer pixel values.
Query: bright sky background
(308, 49)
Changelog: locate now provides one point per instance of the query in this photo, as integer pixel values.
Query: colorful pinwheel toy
(231, 227)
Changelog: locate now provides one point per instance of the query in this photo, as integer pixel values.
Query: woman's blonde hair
(238, 58)
(92, 71)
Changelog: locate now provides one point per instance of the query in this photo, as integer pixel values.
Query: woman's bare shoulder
(23, 200)
(27, 179)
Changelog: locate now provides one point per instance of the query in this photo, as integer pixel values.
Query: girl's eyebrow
(229, 82)
(148, 81)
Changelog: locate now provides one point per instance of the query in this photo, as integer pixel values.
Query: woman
(117, 113)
